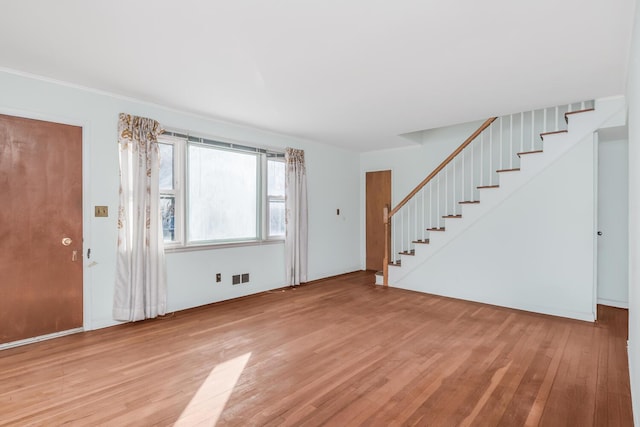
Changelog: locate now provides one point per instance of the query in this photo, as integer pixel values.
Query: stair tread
(411, 252)
(568, 113)
(508, 170)
(396, 264)
(469, 202)
(451, 216)
(529, 152)
(489, 186)
(555, 132)
(424, 242)
(436, 229)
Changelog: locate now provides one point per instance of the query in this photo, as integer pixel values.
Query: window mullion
(179, 188)
(263, 214)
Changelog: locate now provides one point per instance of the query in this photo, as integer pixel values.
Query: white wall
(633, 98)
(410, 165)
(613, 222)
(332, 183)
(534, 251)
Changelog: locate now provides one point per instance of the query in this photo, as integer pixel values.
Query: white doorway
(613, 218)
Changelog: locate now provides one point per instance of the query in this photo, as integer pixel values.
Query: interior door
(378, 195)
(40, 228)
(613, 222)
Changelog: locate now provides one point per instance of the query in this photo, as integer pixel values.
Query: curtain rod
(239, 147)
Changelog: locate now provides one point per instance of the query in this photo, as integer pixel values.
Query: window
(214, 192)
(167, 191)
(222, 195)
(275, 196)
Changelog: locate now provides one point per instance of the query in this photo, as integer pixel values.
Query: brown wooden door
(41, 189)
(378, 194)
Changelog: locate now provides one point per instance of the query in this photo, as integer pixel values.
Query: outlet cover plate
(101, 211)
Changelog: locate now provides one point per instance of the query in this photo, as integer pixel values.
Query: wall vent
(245, 277)
(235, 279)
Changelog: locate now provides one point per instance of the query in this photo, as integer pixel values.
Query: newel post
(385, 265)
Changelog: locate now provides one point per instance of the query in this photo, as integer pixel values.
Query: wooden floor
(340, 352)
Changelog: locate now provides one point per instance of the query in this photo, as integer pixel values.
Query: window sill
(210, 246)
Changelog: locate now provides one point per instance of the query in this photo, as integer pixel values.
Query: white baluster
(394, 220)
(446, 190)
(463, 183)
(473, 193)
(482, 158)
(491, 155)
(510, 141)
(401, 230)
(453, 178)
(424, 212)
(569, 108)
(415, 233)
(556, 118)
(438, 205)
(521, 132)
(501, 150)
(407, 220)
(431, 204)
(533, 113)
(544, 121)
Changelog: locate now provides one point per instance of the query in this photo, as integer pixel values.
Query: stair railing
(495, 147)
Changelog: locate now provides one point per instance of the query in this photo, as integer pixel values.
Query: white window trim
(178, 189)
(266, 199)
(180, 244)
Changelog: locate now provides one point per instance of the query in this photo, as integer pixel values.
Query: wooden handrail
(441, 166)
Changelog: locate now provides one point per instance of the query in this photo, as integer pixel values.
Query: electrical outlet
(245, 277)
(235, 279)
(218, 277)
(102, 211)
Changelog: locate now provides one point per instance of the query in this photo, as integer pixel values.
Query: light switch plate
(102, 211)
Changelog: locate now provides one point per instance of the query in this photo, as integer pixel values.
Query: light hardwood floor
(339, 352)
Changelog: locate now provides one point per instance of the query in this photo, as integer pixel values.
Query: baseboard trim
(613, 303)
(324, 279)
(514, 305)
(26, 341)
(635, 399)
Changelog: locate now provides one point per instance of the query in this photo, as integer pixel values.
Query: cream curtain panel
(296, 217)
(141, 288)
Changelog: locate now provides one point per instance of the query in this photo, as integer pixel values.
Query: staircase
(501, 158)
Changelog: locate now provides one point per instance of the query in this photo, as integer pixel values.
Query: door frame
(86, 209)
(363, 208)
(596, 192)
(598, 143)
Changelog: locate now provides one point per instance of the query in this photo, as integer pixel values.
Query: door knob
(66, 241)
(599, 233)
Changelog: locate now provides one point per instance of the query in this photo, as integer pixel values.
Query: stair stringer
(413, 275)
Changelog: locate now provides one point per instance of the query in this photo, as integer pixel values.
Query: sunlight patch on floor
(207, 404)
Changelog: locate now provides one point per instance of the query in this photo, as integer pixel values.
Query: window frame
(181, 142)
(178, 189)
(258, 211)
(268, 198)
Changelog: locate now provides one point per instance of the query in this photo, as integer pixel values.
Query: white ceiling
(352, 73)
